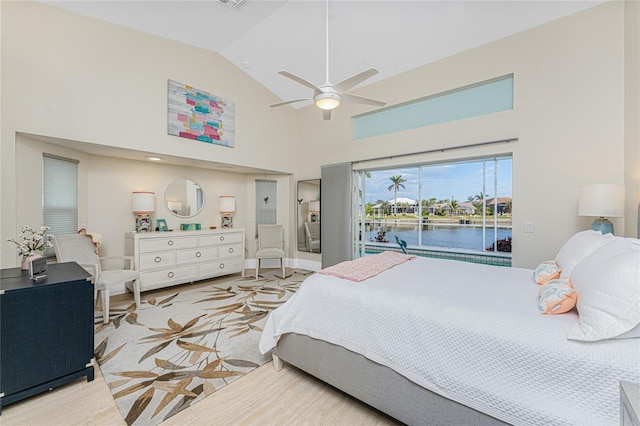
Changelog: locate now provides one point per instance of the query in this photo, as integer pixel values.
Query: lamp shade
(314, 206)
(227, 204)
(143, 202)
(602, 200)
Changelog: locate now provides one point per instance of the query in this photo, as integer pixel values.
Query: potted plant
(32, 243)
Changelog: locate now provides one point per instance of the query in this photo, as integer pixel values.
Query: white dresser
(169, 258)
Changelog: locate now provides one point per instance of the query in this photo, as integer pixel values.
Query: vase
(28, 258)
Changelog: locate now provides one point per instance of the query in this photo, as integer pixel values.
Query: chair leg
(284, 276)
(105, 305)
(136, 292)
(257, 267)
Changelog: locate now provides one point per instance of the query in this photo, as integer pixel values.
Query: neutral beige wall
(632, 116)
(76, 78)
(568, 116)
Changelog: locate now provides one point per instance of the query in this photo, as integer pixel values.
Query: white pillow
(608, 286)
(578, 247)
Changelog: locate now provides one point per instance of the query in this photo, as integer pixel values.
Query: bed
(431, 341)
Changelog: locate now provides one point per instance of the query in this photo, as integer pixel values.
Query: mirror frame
(166, 201)
(303, 196)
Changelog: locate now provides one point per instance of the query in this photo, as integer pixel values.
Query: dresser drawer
(211, 269)
(181, 274)
(229, 250)
(230, 238)
(156, 260)
(167, 243)
(204, 254)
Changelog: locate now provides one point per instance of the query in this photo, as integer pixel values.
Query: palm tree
(397, 183)
(476, 200)
(454, 205)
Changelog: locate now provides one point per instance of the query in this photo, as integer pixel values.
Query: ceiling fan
(329, 96)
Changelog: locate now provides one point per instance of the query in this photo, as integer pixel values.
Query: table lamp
(601, 200)
(314, 211)
(227, 208)
(143, 203)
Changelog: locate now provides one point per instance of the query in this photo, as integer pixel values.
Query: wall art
(198, 115)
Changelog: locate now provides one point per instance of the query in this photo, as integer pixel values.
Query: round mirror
(184, 198)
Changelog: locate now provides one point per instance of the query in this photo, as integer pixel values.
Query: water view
(462, 237)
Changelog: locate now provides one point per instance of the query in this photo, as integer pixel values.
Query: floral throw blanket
(366, 267)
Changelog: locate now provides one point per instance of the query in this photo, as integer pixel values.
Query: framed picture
(198, 115)
(161, 224)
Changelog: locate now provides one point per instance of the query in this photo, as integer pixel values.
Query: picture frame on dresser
(161, 224)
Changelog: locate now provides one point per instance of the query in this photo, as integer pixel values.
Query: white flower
(32, 241)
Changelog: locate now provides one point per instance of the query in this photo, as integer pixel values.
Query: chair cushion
(110, 278)
(269, 253)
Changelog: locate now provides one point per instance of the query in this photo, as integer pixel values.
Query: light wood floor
(262, 397)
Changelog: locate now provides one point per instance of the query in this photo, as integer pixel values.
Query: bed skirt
(375, 384)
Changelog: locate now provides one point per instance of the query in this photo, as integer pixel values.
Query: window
(486, 97)
(59, 196)
(455, 210)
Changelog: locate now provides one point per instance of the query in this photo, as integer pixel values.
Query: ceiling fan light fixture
(327, 100)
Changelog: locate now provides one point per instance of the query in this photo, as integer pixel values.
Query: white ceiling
(390, 35)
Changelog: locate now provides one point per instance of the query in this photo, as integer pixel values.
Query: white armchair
(80, 249)
(312, 234)
(270, 245)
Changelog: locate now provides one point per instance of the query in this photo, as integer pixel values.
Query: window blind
(59, 196)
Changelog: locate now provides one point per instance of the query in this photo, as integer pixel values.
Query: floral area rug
(173, 351)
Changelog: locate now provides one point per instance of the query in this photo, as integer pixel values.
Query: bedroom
(576, 97)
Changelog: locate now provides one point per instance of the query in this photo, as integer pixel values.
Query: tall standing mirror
(184, 198)
(308, 223)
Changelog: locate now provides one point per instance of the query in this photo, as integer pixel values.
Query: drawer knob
(198, 254)
(170, 274)
(231, 250)
(222, 266)
(221, 237)
(158, 259)
(170, 242)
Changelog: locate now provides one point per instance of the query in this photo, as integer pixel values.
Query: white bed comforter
(471, 333)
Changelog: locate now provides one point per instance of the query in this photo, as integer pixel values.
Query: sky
(441, 181)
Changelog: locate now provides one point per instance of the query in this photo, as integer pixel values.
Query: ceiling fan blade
(300, 80)
(326, 114)
(289, 102)
(350, 82)
(354, 99)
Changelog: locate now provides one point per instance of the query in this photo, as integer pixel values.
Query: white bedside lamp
(314, 210)
(601, 200)
(143, 203)
(227, 208)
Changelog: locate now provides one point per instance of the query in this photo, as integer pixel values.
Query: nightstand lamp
(314, 211)
(142, 204)
(601, 200)
(227, 208)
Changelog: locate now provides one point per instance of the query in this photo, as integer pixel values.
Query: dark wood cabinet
(46, 330)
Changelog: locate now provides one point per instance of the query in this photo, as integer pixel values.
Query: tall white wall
(80, 79)
(568, 115)
(76, 78)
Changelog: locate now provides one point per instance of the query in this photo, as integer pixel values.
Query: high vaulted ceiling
(263, 37)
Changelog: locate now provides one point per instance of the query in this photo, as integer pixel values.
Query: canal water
(439, 236)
